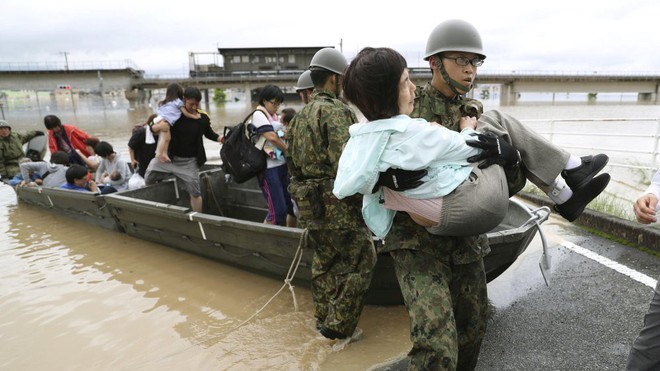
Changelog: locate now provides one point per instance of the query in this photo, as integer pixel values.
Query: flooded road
(82, 298)
(78, 297)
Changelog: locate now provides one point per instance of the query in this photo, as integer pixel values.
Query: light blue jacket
(404, 143)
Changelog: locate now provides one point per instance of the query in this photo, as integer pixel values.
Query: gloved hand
(399, 179)
(495, 151)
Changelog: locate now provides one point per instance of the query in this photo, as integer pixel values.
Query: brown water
(77, 297)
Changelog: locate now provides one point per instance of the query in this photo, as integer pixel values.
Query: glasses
(462, 61)
(275, 103)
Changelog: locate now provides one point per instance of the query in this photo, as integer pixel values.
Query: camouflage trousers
(342, 267)
(447, 305)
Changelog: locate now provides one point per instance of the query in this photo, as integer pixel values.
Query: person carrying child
(169, 110)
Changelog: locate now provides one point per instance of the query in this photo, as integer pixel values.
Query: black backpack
(242, 152)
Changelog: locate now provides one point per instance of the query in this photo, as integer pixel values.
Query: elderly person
(11, 149)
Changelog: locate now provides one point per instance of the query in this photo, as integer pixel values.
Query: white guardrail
(653, 134)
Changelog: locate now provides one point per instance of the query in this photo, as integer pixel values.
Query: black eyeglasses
(462, 61)
(275, 103)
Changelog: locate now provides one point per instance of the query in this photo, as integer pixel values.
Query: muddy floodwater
(78, 297)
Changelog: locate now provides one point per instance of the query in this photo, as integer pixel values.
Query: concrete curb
(640, 234)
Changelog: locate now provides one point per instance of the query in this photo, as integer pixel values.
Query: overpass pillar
(647, 97)
(136, 97)
(508, 96)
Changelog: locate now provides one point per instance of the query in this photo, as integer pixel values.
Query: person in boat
(442, 277)
(92, 161)
(305, 86)
(344, 253)
(169, 111)
(275, 179)
(186, 149)
(455, 199)
(141, 153)
(113, 172)
(51, 175)
(11, 150)
(645, 351)
(67, 138)
(77, 179)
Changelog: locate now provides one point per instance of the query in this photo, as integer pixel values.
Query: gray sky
(557, 35)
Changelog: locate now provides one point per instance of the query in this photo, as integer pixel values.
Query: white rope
(287, 281)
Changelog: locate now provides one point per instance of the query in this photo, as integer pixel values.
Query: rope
(293, 268)
(287, 281)
(209, 187)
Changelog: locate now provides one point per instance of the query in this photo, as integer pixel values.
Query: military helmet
(305, 81)
(4, 124)
(454, 35)
(329, 59)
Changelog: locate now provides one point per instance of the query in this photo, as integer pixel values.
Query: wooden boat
(231, 228)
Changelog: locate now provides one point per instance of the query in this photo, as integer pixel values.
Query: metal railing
(67, 66)
(652, 166)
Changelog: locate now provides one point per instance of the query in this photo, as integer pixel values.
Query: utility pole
(66, 59)
(341, 45)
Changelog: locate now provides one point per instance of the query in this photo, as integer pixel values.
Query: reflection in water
(130, 304)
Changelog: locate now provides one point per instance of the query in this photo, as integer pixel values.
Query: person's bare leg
(163, 144)
(196, 203)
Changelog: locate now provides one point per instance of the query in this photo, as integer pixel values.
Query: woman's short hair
(270, 92)
(371, 82)
(104, 149)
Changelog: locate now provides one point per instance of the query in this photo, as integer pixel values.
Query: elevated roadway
(135, 83)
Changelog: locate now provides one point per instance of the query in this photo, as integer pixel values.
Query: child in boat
(456, 198)
(169, 110)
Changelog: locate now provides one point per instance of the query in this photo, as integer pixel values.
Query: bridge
(136, 84)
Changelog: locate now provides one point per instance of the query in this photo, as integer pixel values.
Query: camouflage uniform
(442, 279)
(344, 254)
(11, 152)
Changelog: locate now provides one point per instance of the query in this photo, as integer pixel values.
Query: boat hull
(231, 228)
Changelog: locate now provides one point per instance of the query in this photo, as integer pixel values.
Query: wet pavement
(586, 319)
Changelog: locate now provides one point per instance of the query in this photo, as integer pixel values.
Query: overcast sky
(557, 35)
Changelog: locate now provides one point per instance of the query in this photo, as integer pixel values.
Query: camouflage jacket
(317, 135)
(432, 105)
(11, 151)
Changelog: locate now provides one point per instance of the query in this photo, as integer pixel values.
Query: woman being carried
(457, 198)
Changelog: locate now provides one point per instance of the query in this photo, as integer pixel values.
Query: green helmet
(329, 59)
(454, 35)
(305, 81)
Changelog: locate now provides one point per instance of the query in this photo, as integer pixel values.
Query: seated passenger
(92, 161)
(457, 198)
(53, 175)
(76, 180)
(113, 172)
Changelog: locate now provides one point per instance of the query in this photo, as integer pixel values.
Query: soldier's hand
(495, 151)
(399, 179)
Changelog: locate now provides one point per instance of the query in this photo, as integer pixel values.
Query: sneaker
(579, 177)
(575, 205)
